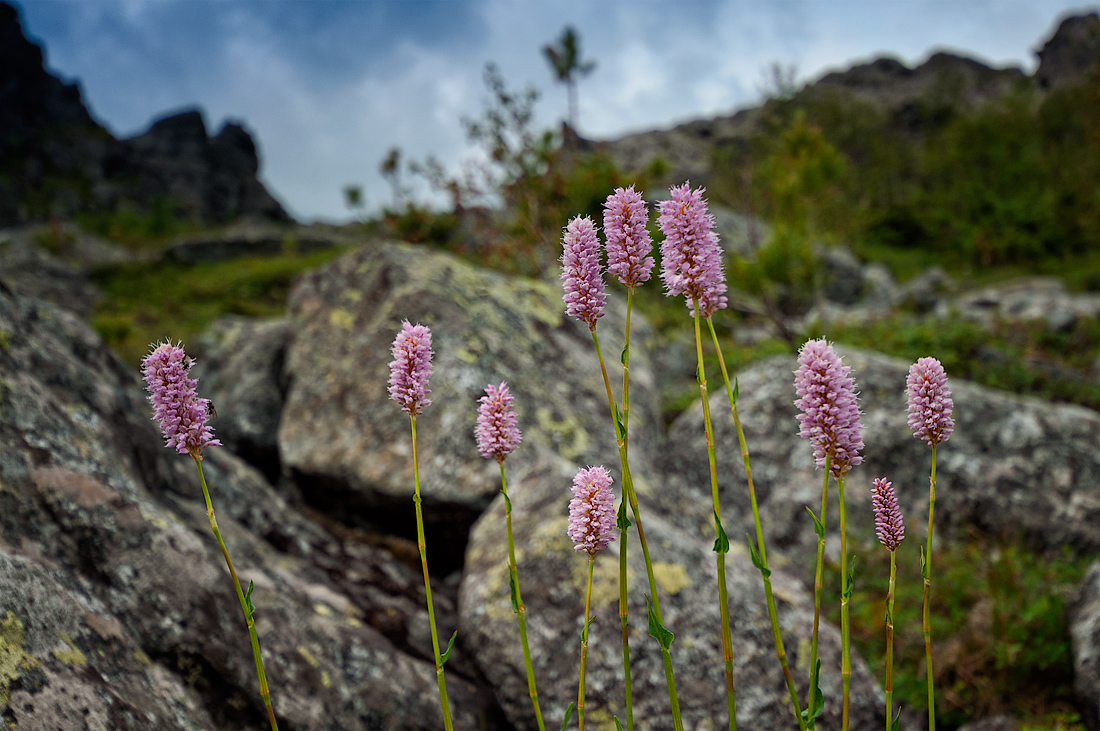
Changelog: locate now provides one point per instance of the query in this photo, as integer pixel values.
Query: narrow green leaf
(735, 389)
(764, 571)
(810, 715)
(699, 375)
(621, 519)
(446, 655)
(656, 629)
(889, 617)
(515, 593)
(625, 356)
(923, 565)
(721, 540)
(568, 715)
(897, 721)
(618, 726)
(819, 528)
(620, 430)
(851, 579)
(507, 500)
(248, 599)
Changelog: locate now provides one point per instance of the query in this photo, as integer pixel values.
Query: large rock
(349, 446)
(1084, 629)
(553, 578)
(1071, 52)
(1016, 466)
(115, 607)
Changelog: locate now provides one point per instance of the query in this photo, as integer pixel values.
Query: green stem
(890, 645)
(927, 571)
(260, 674)
(521, 610)
(632, 499)
(765, 574)
(623, 607)
(723, 602)
(444, 703)
(819, 575)
(584, 644)
(845, 632)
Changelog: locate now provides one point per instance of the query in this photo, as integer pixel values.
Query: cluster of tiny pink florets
(889, 526)
(930, 403)
(496, 432)
(592, 511)
(411, 368)
(830, 412)
(691, 257)
(582, 274)
(628, 242)
(176, 407)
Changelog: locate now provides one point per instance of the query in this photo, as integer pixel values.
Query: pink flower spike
(582, 275)
(930, 403)
(592, 511)
(830, 412)
(411, 368)
(691, 257)
(176, 405)
(889, 526)
(496, 432)
(628, 243)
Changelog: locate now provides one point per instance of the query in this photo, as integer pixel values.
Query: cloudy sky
(327, 86)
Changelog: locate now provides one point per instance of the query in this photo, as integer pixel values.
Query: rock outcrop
(1071, 53)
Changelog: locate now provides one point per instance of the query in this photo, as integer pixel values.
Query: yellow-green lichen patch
(605, 578)
(72, 656)
(567, 435)
(671, 577)
(308, 656)
(341, 318)
(600, 719)
(12, 655)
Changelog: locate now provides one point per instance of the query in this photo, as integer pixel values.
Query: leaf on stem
(515, 593)
(735, 389)
(618, 726)
(620, 430)
(248, 599)
(625, 356)
(507, 500)
(923, 565)
(819, 528)
(897, 721)
(568, 715)
(810, 715)
(446, 655)
(656, 629)
(721, 541)
(851, 579)
(620, 519)
(764, 570)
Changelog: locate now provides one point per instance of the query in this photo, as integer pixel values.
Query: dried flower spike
(830, 413)
(930, 403)
(889, 526)
(691, 258)
(411, 368)
(176, 406)
(496, 432)
(592, 511)
(628, 242)
(582, 275)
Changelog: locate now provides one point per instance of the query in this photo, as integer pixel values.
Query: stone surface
(349, 446)
(552, 578)
(1015, 466)
(1084, 628)
(146, 624)
(1071, 52)
(1042, 299)
(250, 238)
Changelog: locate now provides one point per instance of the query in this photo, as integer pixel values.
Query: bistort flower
(830, 413)
(691, 257)
(628, 242)
(582, 274)
(889, 526)
(176, 405)
(930, 403)
(496, 432)
(592, 511)
(411, 368)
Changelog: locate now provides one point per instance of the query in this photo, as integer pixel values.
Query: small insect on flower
(210, 410)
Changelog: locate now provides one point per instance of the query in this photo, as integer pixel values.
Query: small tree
(390, 168)
(565, 61)
(353, 199)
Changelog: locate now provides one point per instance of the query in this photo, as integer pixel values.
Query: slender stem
(845, 632)
(623, 607)
(521, 610)
(819, 575)
(765, 574)
(444, 703)
(260, 674)
(632, 499)
(584, 644)
(890, 645)
(723, 601)
(928, 598)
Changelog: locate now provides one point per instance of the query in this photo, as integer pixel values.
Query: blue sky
(327, 86)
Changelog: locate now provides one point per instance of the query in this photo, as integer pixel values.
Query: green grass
(146, 303)
(1001, 642)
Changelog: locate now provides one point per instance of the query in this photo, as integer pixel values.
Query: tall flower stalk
(759, 553)
(181, 415)
(498, 436)
(628, 258)
(890, 528)
(591, 523)
(930, 406)
(582, 279)
(693, 267)
(410, 370)
(829, 419)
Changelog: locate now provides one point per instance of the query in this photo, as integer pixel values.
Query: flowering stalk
(584, 297)
(182, 418)
(498, 436)
(845, 599)
(628, 248)
(409, 373)
(890, 528)
(591, 518)
(819, 575)
(930, 407)
(760, 552)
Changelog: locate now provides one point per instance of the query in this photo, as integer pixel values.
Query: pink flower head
(930, 403)
(592, 511)
(713, 299)
(691, 258)
(496, 432)
(176, 406)
(411, 368)
(582, 274)
(830, 414)
(628, 243)
(889, 525)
